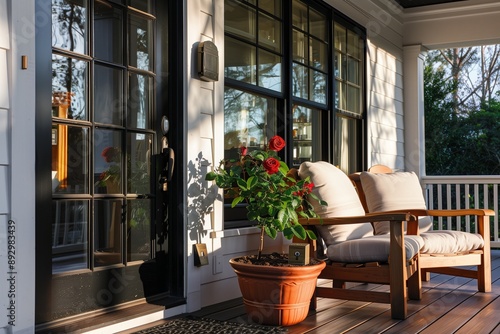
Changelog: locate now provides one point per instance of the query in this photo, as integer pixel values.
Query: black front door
(103, 216)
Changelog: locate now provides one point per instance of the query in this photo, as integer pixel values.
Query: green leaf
(299, 231)
(210, 176)
(236, 201)
(252, 182)
(242, 184)
(311, 235)
(271, 232)
(288, 233)
(252, 215)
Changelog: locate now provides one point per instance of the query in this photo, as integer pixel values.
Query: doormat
(209, 326)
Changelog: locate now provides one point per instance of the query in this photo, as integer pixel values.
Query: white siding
(18, 172)
(4, 163)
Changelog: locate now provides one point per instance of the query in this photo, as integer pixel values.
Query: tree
(462, 115)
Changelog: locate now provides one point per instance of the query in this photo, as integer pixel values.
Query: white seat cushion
(395, 191)
(450, 242)
(371, 249)
(334, 186)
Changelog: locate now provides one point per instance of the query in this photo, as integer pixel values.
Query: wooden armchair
(444, 251)
(354, 253)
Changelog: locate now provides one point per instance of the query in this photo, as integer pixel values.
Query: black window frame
(236, 217)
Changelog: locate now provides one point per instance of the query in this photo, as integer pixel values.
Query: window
(304, 82)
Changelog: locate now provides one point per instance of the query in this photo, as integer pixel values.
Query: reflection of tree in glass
(68, 75)
(245, 119)
(68, 25)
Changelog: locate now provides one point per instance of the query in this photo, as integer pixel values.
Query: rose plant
(275, 199)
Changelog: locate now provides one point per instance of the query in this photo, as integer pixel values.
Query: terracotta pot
(278, 296)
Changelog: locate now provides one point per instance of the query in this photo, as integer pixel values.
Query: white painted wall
(17, 160)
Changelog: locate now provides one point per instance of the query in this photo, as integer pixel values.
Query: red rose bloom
(271, 165)
(308, 187)
(243, 150)
(110, 154)
(276, 143)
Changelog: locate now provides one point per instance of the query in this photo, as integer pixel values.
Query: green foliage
(465, 143)
(275, 200)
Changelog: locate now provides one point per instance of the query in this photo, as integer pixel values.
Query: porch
(449, 305)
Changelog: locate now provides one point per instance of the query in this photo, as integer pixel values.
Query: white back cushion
(394, 191)
(334, 186)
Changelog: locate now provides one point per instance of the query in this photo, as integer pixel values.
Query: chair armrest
(368, 218)
(459, 212)
(483, 221)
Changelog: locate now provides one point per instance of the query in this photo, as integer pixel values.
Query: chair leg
(426, 275)
(484, 273)
(415, 286)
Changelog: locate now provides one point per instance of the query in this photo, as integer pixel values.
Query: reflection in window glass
(139, 103)
(269, 70)
(143, 5)
(306, 134)
(353, 70)
(300, 47)
(269, 33)
(69, 235)
(139, 163)
(69, 25)
(271, 6)
(318, 86)
(299, 81)
(240, 20)
(140, 45)
(239, 61)
(353, 99)
(310, 53)
(139, 230)
(108, 21)
(70, 158)
(108, 162)
(348, 70)
(317, 25)
(319, 55)
(69, 88)
(108, 94)
(249, 121)
(107, 232)
(299, 15)
(346, 144)
(340, 38)
(355, 46)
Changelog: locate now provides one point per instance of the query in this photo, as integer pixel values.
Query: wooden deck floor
(449, 305)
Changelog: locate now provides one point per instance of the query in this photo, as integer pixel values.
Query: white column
(413, 81)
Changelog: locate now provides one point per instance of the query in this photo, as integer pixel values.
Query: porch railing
(464, 192)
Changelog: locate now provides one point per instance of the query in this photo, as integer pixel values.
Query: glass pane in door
(70, 158)
(139, 149)
(108, 43)
(107, 232)
(108, 162)
(108, 92)
(69, 235)
(69, 25)
(139, 230)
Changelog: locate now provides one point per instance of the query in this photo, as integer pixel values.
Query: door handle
(169, 161)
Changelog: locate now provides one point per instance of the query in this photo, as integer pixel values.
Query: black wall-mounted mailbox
(208, 61)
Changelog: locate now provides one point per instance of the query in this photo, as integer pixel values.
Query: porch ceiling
(419, 3)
